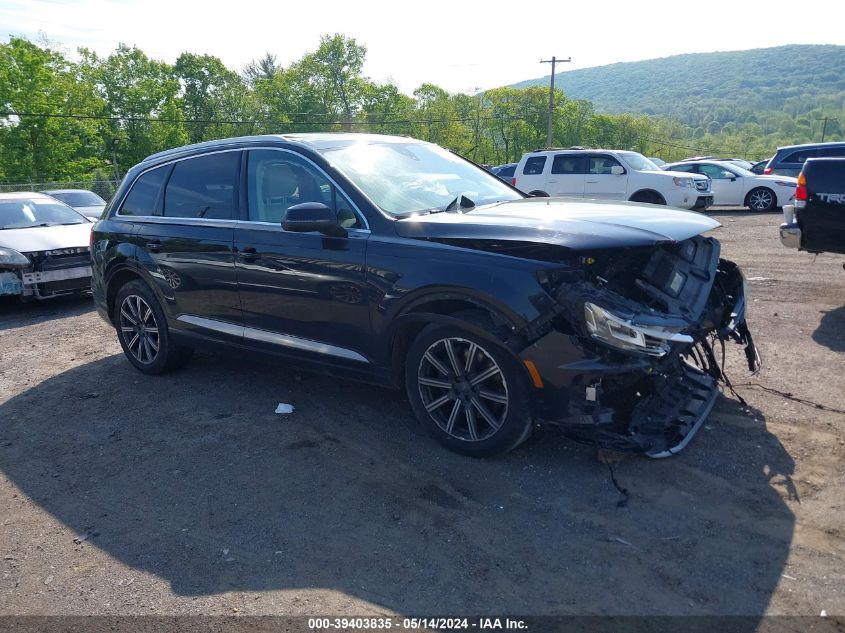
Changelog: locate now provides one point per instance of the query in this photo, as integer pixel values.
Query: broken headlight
(613, 330)
(10, 258)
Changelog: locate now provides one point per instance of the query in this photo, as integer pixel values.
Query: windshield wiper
(460, 204)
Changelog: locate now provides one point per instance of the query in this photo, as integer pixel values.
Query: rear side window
(564, 164)
(686, 168)
(144, 195)
(534, 165)
(203, 187)
(797, 157)
(828, 152)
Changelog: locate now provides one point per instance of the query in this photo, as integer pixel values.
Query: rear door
(822, 221)
(532, 176)
(601, 183)
(567, 176)
(186, 241)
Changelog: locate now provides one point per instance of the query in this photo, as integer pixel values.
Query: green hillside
(738, 86)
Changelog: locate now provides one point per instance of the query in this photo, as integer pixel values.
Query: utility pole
(824, 128)
(553, 61)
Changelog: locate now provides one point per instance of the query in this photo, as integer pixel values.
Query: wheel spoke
(435, 382)
(456, 409)
(488, 373)
(126, 329)
(127, 316)
(485, 413)
(436, 404)
(437, 364)
(147, 314)
(470, 357)
(495, 397)
(131, 343)
(453, 359)
(471, 426)
(153, 344)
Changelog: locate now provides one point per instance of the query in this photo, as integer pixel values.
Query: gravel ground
(186, 494)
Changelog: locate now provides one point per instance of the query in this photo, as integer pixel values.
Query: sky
(460, 46)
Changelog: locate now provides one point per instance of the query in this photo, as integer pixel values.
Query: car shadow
(830, 329)
(15, 313)
(192, 477)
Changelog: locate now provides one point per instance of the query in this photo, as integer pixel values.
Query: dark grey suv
(789, 160)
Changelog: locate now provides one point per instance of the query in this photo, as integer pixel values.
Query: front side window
(684, 168)
(403, 178)
(203, 187)
(714, 172)
(602, 164)
(534, 166)
(278, 180)
(144, 195)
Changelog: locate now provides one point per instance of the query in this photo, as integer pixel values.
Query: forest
(86, 118)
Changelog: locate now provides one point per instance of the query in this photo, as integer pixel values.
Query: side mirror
(729, 175)
(312, 216)
(617, 170)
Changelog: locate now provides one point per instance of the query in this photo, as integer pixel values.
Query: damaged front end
(629, 349)
(45, 274)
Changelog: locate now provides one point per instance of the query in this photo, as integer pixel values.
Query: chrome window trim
(175, 220)
(275, 338)
(256, 225)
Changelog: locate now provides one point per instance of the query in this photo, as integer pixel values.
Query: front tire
(470, 393)
(143, 333)
(761, 200)
(649, 197)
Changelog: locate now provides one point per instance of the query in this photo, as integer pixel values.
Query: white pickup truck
(609, 175)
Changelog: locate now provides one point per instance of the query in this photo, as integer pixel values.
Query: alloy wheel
(760, 200)
(139, 329)
(463, 389)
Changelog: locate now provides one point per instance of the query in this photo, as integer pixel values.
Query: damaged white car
(44, 247)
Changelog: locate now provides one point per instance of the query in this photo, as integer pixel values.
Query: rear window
(506, 172)
(534, 165)
(203, 187)
(79, 198)
(143, 196)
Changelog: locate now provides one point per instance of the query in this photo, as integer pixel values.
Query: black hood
(576, 224)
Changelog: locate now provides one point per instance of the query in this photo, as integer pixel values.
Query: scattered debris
(49, 579)
(225, 552)
(617, 539)
(787, 577)
(284, 408)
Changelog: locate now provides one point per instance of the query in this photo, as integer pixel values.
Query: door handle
(154, 246)
(249, 254)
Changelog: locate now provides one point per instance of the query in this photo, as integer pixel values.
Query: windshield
(638, 162)
(407, 178)
(79, 198)
(739, 171)
(25, 214)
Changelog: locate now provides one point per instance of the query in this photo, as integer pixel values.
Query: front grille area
(60, 259)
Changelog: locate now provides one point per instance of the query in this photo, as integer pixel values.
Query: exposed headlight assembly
(10, 258)
(683, 182)
(613, 330)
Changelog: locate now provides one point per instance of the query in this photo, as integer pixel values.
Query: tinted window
(203, 187)
(798, 156)
(278, 180)
(831, 151)
(602, 164)
(534, 165)
(143, 196)
(713, 172)
(563, 164)
(506, 172)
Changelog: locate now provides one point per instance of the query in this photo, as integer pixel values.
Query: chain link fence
(103, 188)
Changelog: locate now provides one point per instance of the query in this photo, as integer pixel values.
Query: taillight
(513, 181)
(768, 171)
(801, 191)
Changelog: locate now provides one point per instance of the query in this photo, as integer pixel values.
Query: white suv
(609, 174)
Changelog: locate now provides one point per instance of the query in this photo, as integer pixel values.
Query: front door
(301, 292)
(728, 187)
(601, 182)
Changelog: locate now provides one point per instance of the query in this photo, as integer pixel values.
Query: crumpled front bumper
(632, 402)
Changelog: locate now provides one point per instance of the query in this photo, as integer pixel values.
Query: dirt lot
(183, 494)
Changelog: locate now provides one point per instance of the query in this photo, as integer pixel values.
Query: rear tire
(471, 394)
(143, 333)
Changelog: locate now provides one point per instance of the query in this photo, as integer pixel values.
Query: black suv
(397, 262)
